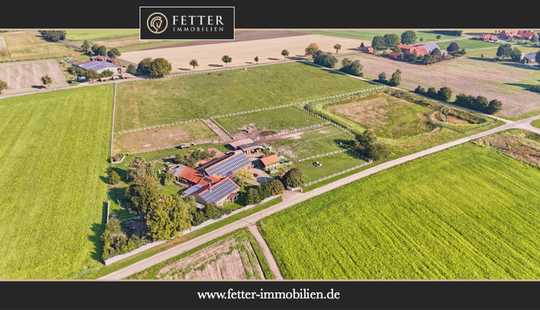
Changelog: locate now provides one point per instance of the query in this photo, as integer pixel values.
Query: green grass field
(100, 34)
(53, 153)
(240, 235)
(466, 213)
(146, 103)
(468, 44)
(275, 120)
(330, 165)
(368, 34)
(28, 45)
(312, 142)
(536, 123)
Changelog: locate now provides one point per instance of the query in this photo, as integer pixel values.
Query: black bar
(354, 295)
(283, 13)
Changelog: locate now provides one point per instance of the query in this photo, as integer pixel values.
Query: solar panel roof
(218, 191)
(229, 165)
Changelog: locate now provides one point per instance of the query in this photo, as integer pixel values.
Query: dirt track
(242, 52)
(26, 75)
(463, 75)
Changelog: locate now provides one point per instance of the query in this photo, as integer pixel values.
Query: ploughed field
(53, 154)
(154, 102)
(466, 213)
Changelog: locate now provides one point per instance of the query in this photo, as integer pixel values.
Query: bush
(444, 94)
(272, 188)
(325, 59)
(382, 78)
(116, 242)
(351, 67)
(213, 212)
(53, 35)
(431, 92)
(197, 217)
(395, 80)
(367, 146)
(420, 90)
(293, 178)
(3, 86)
(114, 177)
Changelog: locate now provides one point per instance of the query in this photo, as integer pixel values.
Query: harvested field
(463, 75)
(518, 144)
(274, 120)
(28, 45)
(164, 101)
(26, 75)
(236, 256)
(465, 213)
(242, 52)
(388, 116)
(164, 137)
(127, 40)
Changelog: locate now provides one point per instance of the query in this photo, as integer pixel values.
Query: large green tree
(391, 40)
(408, 37)
(378, 43)
(293, 178)
(160, 67)
(504, 51)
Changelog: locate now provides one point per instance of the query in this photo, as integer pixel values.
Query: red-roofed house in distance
(269, 162)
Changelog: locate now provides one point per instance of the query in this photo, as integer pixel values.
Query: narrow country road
(266, 251)
(292, 199)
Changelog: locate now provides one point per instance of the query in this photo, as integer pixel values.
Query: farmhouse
(488, 37)
(419, 49)
(269, 162)
(227, 165)
(211, 182)
(98, 66)
(517, 34)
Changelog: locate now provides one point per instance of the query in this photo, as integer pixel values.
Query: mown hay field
(154, 102)
(53, 154)
(466, 213)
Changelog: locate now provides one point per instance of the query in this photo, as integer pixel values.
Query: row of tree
(443, 94)
(53, 35)
(478, 103)
(91, 49)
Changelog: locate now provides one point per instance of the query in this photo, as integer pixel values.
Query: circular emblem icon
(157, 23)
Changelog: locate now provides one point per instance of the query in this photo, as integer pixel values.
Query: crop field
(312, 142)
(236, 256)
(242, 52)
(388, 116)
(272, 120)
(466, 213)
(28, 45)
(368, 34)
(463, 75)
(165, 137)
(146, 103)
(53, 154)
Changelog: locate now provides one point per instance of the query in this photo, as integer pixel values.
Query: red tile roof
(269, 160)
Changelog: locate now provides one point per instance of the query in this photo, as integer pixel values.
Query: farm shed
(227, 165)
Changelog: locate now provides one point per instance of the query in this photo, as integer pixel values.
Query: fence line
(338, 173)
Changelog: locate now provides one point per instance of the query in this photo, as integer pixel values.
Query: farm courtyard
(467, 213)
(473, 77)
(53, 154)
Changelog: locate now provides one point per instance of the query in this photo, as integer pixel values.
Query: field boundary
(300, 103)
